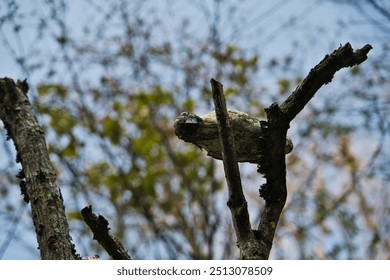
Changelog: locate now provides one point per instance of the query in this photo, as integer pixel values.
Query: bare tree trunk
(38, 176)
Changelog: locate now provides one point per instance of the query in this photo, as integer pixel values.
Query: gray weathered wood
(47, 207)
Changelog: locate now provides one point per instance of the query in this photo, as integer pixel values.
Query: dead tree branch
(257, 244)
(320, 75)
(100, 229)
(38, 176)
(246, 240)
(273, 166)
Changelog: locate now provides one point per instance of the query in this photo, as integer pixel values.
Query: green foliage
(61, 121)
(284, 86)
(355, 70)
(56, 90)
(238, 68)
(97, 173)
(111, 129)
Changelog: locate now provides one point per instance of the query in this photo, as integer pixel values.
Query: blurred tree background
(108, 78)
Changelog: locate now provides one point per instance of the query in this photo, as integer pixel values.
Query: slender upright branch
(246, 240)
(236, 194)
(39, 187)
(100, 229)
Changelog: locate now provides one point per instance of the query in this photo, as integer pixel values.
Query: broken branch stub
(202, 131)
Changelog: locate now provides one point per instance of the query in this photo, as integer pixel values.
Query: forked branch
(257, 244)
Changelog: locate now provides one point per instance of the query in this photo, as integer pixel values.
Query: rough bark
(320, 75)
(38, 176)
(237, 203)
(100, 229)
(273, 167)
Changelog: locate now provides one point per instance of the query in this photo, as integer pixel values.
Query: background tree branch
(39, 186)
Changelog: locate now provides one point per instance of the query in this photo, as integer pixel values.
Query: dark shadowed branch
(273, 165)
(320, 75)
(100, 229)
(273, 168)
(257, 244)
